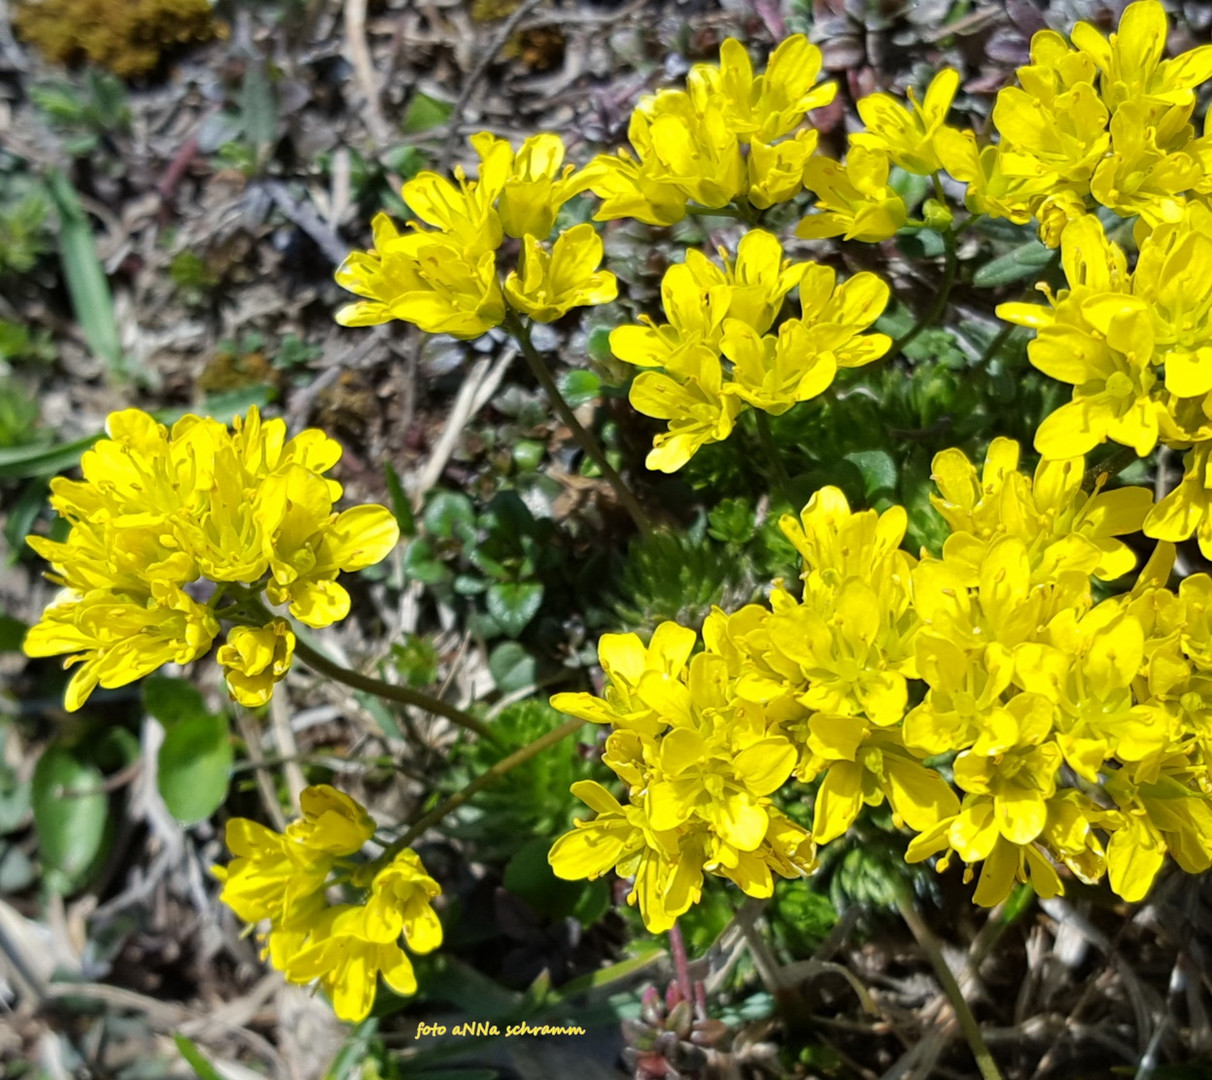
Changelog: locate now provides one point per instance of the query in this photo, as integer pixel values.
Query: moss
(129, 37)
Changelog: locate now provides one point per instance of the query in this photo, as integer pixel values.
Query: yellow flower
(668, 876)
(772, 104)
(776, 171)
(311, 545)
(1063, 527)
(332, 821)
(628, 189)
(117, 638)
(692, 151)
(286, 879)
(1185, 510)
(423, 278)
(854, 201)
(1139, 176)
(348, 966)
(697, 411)
(256, 659)
(535, 187)
(547, 286)
(1131, 63)
(712, 779)
(463, 213)
(157, 510)
(907, 136)
(271, 876)
(1165, 814)
(1101, 340)
(696, 313)
(1064, 133)
(401, 903)
(774, 373)
(862, 764)
(855, 659)
(627, 662)
(1000, 184)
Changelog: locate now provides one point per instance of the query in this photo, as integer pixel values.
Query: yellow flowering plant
(283, 882)
(972, 657)
(173, 531)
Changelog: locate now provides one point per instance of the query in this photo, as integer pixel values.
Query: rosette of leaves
(495, 560)
(679, 576)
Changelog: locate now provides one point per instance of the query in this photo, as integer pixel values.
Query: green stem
(489, 776)
(721, 212)
(771, 450)
(521, 334)
(940, 301)
(391, 691)
(994, 347)
(1109, 467)
(963, 1014)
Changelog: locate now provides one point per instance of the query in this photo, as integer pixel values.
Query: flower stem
(771, 450)
(994, 346)
(489, 776)
(681, 963)
(940, 301)
(963, 1014)
(1109, 468)
(391, 691)
(521, 334)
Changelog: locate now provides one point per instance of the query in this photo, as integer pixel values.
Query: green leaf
(22, 516)
(12, 633)
(19, 462)
(511, 666)
(878, 469)
(195, 767)
(1015, 265)
(421, 564)
(529, 875)
(401, 505)
(449, 515)
(425, 113)
(404, 160)
(70, 813)
(195, 1059)
(580, 387)
(224, 406)
(92, 301)
(172, 700)
(528, 453)
(514, 604)
(258, 110)
(15, 796)
(597, 345)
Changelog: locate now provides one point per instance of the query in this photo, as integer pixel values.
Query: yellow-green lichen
(126, 36)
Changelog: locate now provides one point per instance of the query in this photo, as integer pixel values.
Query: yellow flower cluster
(442, 273)
(284, 877)
(727, 315)
(854, 200)
(700, 764)
(1092, 122)
(1076, 734)
(165, 525)
(688, 144)
(1137, 349)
